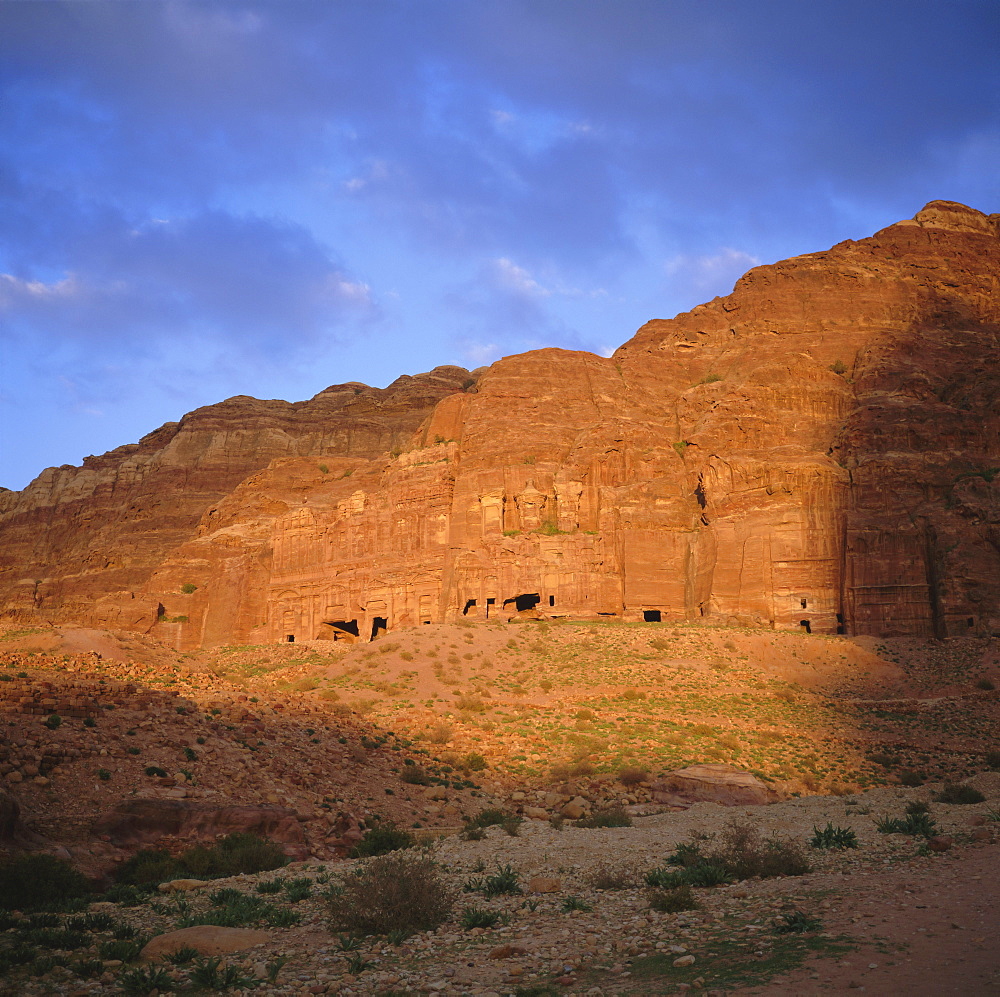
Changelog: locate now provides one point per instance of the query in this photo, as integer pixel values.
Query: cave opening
(290, 639)
(471, 604)
(651, 615)
(527, 600)
(379, 625)
(806, 625)
(343, 628)
(841, 629)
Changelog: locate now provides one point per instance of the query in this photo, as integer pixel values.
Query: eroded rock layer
(819, 449)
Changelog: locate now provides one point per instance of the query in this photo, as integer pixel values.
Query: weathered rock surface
(139, 821)
(207, 939)
(820, 450)
(711, 783)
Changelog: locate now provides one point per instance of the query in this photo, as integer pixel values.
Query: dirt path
(934, 933)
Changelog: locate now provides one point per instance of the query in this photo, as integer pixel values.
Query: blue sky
(203, 199)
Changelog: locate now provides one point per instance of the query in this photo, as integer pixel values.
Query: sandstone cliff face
(79, 543)
(819, 449)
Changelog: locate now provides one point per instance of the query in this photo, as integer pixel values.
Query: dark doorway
(379, 625)
(523, 602)
(841, 629)
(802, 603)
(651, 615)
(469, 605)
(290, 639)
(341, 628)
(552, 600)
(807, 625)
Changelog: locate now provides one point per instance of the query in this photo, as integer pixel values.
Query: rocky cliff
(819, 449)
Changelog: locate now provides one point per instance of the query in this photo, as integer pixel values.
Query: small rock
(939, 843)
(181, 885)
(684, 960)
(544, 884)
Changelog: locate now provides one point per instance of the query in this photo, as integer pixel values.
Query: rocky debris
(205, 938)
(946, 903)
(712, 783)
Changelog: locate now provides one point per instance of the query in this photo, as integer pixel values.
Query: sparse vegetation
(958, 794)
(831, 837)
(382, 839)
(391, 893)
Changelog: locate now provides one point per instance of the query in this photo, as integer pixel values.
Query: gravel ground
(892, 920)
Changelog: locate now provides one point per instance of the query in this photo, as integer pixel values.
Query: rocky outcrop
(79, 543)
(141, 821)
(820, 450)
(713, 783)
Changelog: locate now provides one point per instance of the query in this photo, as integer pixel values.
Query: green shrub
(103, 774)
(155, 770)
(672, 900)
(797, 922)
(207, 975)
(910, 779)
(53, 721)
(490, 817)
(986, 685)
(575, 903)
(478, 917)
(144, 980)
(181, 956)
(126, 894)
(121, 948)
(381, 840)
(298, 889)
(150, 866)
(473, 762)
(271, 885)
(392, 893)
(915, 824)
(87, 969)
(504, 880)
(742, 854)
(612, 817)
(234, 854)
(956, 794)
(992, 759)
(188, 587)
(32, 881)
(415, 776)
(831, 837)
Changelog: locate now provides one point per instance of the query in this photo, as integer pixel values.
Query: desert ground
(550, 723)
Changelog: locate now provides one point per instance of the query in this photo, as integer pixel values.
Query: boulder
(544, 884)
(207, 939)
(143, 821)
(713, 783)
(575, 809)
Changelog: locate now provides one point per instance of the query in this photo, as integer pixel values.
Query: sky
(206, 199)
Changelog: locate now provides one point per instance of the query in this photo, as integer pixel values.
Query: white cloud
(711, 272)
(515, 278)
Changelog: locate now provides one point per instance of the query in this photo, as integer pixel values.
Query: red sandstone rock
(138, 822)
(715, 784)
(818, 449)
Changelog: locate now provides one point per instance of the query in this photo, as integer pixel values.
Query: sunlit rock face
(818, 450)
